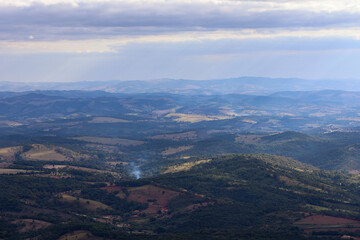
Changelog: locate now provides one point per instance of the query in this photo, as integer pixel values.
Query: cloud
(248, 40)
(68, 40)
(75, 20)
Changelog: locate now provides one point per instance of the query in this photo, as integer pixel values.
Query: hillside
(81, 113)
(256, 195)
(344, 158)
(170, 166)
(224, 197)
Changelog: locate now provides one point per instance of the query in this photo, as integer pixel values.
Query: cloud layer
(59, 20)
(72, 40)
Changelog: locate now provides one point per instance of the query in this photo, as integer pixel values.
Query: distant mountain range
(241, 85)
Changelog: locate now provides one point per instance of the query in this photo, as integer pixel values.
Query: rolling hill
(231, 196)
(240, 85)
(256, 195)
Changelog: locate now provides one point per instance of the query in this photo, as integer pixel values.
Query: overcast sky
(97, 40)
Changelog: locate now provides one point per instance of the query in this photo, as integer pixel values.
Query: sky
(99, 40)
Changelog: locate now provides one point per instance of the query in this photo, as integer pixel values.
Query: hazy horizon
(187, 79)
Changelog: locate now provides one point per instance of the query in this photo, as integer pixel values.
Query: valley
(97, 165)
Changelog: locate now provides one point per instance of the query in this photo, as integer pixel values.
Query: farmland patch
(85, 203)
(318, 223)
(111, 141)
(194, 118)
(31, 224)
(185, 166)
(107, 120)
(12, 171)
(176, 136)
(51, 153)
(79, 235)
(156, 197)
(171, 150)
(9, 152)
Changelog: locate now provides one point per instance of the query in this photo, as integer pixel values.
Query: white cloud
(252, 5)
(64, 18)
(115, 44)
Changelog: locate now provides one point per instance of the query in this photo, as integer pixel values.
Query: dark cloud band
(92, 20)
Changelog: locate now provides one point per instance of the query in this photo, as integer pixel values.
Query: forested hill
(256, 195)
(230, 196)
(240, 85)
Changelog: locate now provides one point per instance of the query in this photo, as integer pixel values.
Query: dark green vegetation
(113, 115)
(96, 165)
(256, 195)
(230, 196)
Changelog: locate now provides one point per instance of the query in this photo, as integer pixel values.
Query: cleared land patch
(107, 120)
(79, 235)
(112, 189)
(85, 203)
(156, 197)
(51, 153)
(85, 169)
(230, 112)
(9, 152)
(171, 150)
(50, 166)
(111, 141)
(46, 155)
(318, 223)
(31, 224)
(4, 164)
(12, 171)
(176, 136)
(10, 123)
(194, 118)
(249, 121)
(185, 166)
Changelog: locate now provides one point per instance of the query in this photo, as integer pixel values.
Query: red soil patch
(338, 229)
(31, 224)
(4, 164)
(195, 206)
(324, 223)
(350, 237)
(323, 220)
(156, 197)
